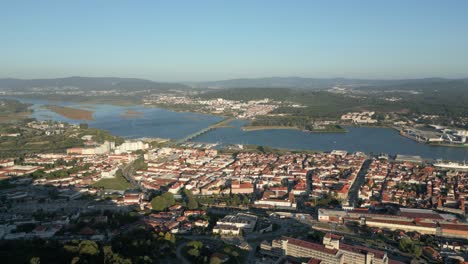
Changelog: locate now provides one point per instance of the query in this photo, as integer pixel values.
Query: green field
(117, 183)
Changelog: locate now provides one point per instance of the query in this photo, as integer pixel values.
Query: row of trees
(166, 200)
(137, 246)
(199, 253)
(228, 199)
(408, 245)
(60, 173)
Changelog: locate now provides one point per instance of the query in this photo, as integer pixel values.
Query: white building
(243, 221)
(129, 146)
(109, 173)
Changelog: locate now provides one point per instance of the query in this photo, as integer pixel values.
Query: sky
(213, 40)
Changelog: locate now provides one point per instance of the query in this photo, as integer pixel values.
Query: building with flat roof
(331, 251)
(408, 158)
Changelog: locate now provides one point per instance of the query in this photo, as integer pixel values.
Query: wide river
(157, 122)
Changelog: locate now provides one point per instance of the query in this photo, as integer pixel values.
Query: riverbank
(448, 145)
(193, 109)
(71, 113)
(116, 100)
(14, 117)
(257, 128)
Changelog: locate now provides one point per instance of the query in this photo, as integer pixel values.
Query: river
(157, 122)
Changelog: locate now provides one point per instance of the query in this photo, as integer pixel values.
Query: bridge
(221, 123)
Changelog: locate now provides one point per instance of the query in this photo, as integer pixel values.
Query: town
(264, 207)
(220, 106)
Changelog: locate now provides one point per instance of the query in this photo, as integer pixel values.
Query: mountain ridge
(119, 83)
(313, 83)
(88, 83)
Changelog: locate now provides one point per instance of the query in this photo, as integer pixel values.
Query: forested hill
(427, 85)
(449, 101)
(86, 84)
(319, 83)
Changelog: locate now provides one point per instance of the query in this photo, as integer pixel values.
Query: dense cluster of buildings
(205, 172)
(51, 183)
(249, 109)
(287, 182)
(414, 185)
(365, 117)
(177, 220)
(334, 173)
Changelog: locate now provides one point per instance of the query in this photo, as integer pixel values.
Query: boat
(451, 165)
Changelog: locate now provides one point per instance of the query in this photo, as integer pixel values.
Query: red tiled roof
(421, 215)
(310, 245)
(463, 228)
(360, 249)
(314, 261)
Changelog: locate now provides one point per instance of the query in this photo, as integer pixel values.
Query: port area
(435, 135)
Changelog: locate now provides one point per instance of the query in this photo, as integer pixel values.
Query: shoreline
(71, 113)
(258, 128)
(447, 145)
(244, 128)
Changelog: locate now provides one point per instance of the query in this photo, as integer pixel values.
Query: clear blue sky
(209, 40)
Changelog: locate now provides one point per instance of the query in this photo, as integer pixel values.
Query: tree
(169, 197)
(158, 203)
(235, 200)
(194, 252)
(35, 260)
(112, 258)
(140, 164)
(162, 202)
(245, 200)
(88, 247)
(417, 251)
(215, 260)
(169, 237)
(191, 201)
(407, 245)
(195, 244)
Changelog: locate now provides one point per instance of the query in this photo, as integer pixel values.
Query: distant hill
(314, 83)
(87, 83)
(133, 84)
(427, 85)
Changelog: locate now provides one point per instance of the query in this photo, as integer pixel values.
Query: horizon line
(240, 78)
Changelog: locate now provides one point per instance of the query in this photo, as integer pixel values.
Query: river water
(157, 122)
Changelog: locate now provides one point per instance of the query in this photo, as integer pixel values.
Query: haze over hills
(318, 83)
(87, 83)
(115, 83)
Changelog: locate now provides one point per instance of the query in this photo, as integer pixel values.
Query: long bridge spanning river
(221, 123)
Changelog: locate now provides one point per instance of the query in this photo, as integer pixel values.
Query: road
(179, 254)
(128, 172)
(354, 190)
(254, 239)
